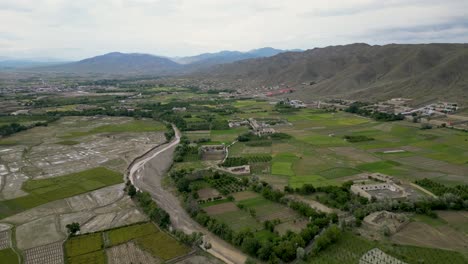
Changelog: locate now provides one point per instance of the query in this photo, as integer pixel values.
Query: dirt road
(146, 174)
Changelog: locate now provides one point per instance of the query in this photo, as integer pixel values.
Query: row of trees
(358, 108)
(151, 209)
(10, 129)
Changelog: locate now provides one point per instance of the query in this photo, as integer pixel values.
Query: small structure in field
(179, 109)
(239, 170)
(238, 123)
(261, 128)
(213, 152)
(392, 222)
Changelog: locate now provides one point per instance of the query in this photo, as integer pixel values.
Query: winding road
(146, 174)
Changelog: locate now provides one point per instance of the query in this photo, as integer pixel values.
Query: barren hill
(422, 71)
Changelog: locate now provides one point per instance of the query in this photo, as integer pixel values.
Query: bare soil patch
(129, 253)
(38, 233)
(244, 195)
(206, 193)
(221, 208)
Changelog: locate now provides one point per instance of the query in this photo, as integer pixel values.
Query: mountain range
(424, 72)
(116, 63)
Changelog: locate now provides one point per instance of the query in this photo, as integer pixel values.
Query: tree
(73, 228)
(131, 191)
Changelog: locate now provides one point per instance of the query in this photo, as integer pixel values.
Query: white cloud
(77, 29)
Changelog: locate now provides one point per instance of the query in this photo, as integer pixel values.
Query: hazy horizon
(74, 30)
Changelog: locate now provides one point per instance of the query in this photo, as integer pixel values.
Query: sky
(76, 29)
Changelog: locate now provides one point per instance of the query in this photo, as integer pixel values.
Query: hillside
(424, 72)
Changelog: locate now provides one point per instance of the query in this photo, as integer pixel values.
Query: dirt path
(147, 173)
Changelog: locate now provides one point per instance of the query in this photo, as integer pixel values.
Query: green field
(239, 220)
(132, 126)
(80, 245)
(90, 248)
(96, 257)
(162, 245)
(47, 190)
(350, 248)
(8, 256)
(125, 234)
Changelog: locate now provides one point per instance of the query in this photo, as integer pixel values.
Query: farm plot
(80, 245)
(227, 184)
(47, 190)
(124, 234)
(162, 245)
(422, 234)
(8, 256)
(268, 210)
(48, 254)
(5, 241)
(129, 253)
(350, 248)
(239, 220)
(221, 208)
(227, 136)
(41, 152)
(294, 226)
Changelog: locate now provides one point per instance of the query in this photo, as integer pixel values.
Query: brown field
(456, 219)
(244, 195)
(295, 226)
(129, 253)
(427, 163)
(48, 254)
(284, 214)
(278, 182)
(206, 193)
(424, 235)
(221, 208)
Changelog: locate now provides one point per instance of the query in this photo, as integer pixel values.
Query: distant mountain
(117, 63)
(207, 59)
(360, 71)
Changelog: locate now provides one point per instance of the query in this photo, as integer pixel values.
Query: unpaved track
(147, 173)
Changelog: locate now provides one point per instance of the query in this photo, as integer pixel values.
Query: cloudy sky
(75, 29)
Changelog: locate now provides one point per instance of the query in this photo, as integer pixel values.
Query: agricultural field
(42, 191)
(8, 256)
(142, 243)
(350, 248)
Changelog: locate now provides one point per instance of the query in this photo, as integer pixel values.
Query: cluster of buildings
(379, 186)
(261, 128)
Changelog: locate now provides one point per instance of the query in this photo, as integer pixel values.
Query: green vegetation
(90, 248)
(440, 189)
(125, 234)
(133, 126)
(81, 245)
(47, 190)
(8, 256)
(162, 245)
(349, 249)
